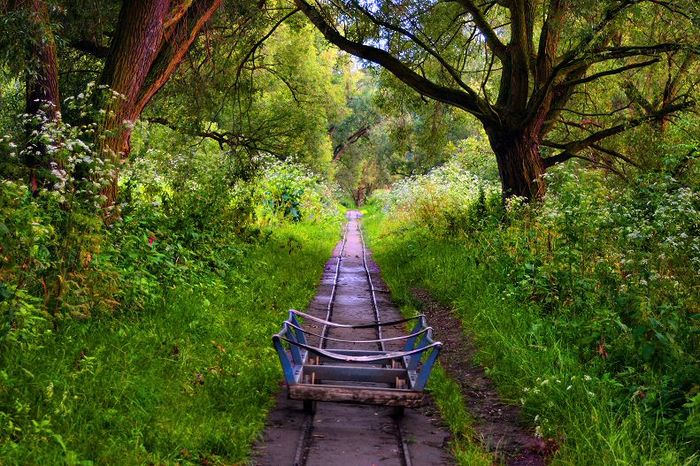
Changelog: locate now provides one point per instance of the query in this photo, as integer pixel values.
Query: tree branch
(615, 154)
(261, 41)
(636, 97)
(521, 40)
(352, 139)
(223, 138)
(467, 100)
(174, 50)
(593, 77)
(549, 40)
(573, 147)
(494, 43)
(176, 14)
(612, 53)
(91, 48)
(608, 17)
(392, 27)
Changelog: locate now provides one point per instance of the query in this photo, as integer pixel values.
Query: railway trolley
(381, 377)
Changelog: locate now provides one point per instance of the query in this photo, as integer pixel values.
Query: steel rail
(306, 437)
(331, 301)
(304, 444)
(400, 437)
(371, 289)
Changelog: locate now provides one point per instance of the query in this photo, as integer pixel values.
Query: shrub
(289, 191)
(611, 269)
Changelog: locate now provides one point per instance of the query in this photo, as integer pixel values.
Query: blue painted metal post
(411, 341)
(415, 359)
(427, 368)
(290, 333)
(287, 368)
(301, 338)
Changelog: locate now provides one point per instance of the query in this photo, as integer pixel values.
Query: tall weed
(585, 306)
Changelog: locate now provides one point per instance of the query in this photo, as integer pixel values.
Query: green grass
(562, 398)
(445, 391)
(187, 381)
(467, 450)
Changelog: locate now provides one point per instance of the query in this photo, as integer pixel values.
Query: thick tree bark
(152, 38)
(42, 82)
(520, 165)
(42, 94)
(138, 37)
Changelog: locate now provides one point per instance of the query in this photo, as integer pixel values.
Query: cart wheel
(398, 412)
(309, 406)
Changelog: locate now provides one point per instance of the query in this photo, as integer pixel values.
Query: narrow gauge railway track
(307, 440)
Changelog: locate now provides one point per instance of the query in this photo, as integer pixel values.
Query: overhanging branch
(494, 43)
(593, 77)
(261, 41)
(467, 100)
(392, 27)
(352, 139)
(572, 148)
(173, 50)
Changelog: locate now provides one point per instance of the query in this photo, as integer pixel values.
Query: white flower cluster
(448, 189)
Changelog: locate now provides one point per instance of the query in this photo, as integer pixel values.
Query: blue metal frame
(293, 351)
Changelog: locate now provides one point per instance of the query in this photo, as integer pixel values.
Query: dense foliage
(198, 254)
(584, 307)
(172, 175)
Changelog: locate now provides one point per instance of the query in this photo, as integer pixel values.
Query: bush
(289, 191)
(610, 272)
(447, 199)
(105, 327)
(51, 236)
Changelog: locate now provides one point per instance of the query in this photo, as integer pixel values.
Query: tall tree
(515, 65)
(42, 97)
(42, 73)
(151, 39)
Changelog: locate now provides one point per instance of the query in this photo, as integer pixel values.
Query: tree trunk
(150, 42)
(42, 82)
(138, 38)
(42, 94)
(520, 165)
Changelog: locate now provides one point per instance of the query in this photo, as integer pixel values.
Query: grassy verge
(444, 390)
(448, 398)
(521, 351)
(187, 381)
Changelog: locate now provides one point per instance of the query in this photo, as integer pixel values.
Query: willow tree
(516, 65)
(138, 51)
(150, 40)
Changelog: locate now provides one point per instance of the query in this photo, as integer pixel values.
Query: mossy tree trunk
(42, 91)
(520, 166)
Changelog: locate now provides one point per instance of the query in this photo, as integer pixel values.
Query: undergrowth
(466, 449)
(139, 333)
(187, 379)
(582, 308)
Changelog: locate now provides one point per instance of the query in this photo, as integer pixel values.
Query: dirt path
(350, 435)
(498, 423)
